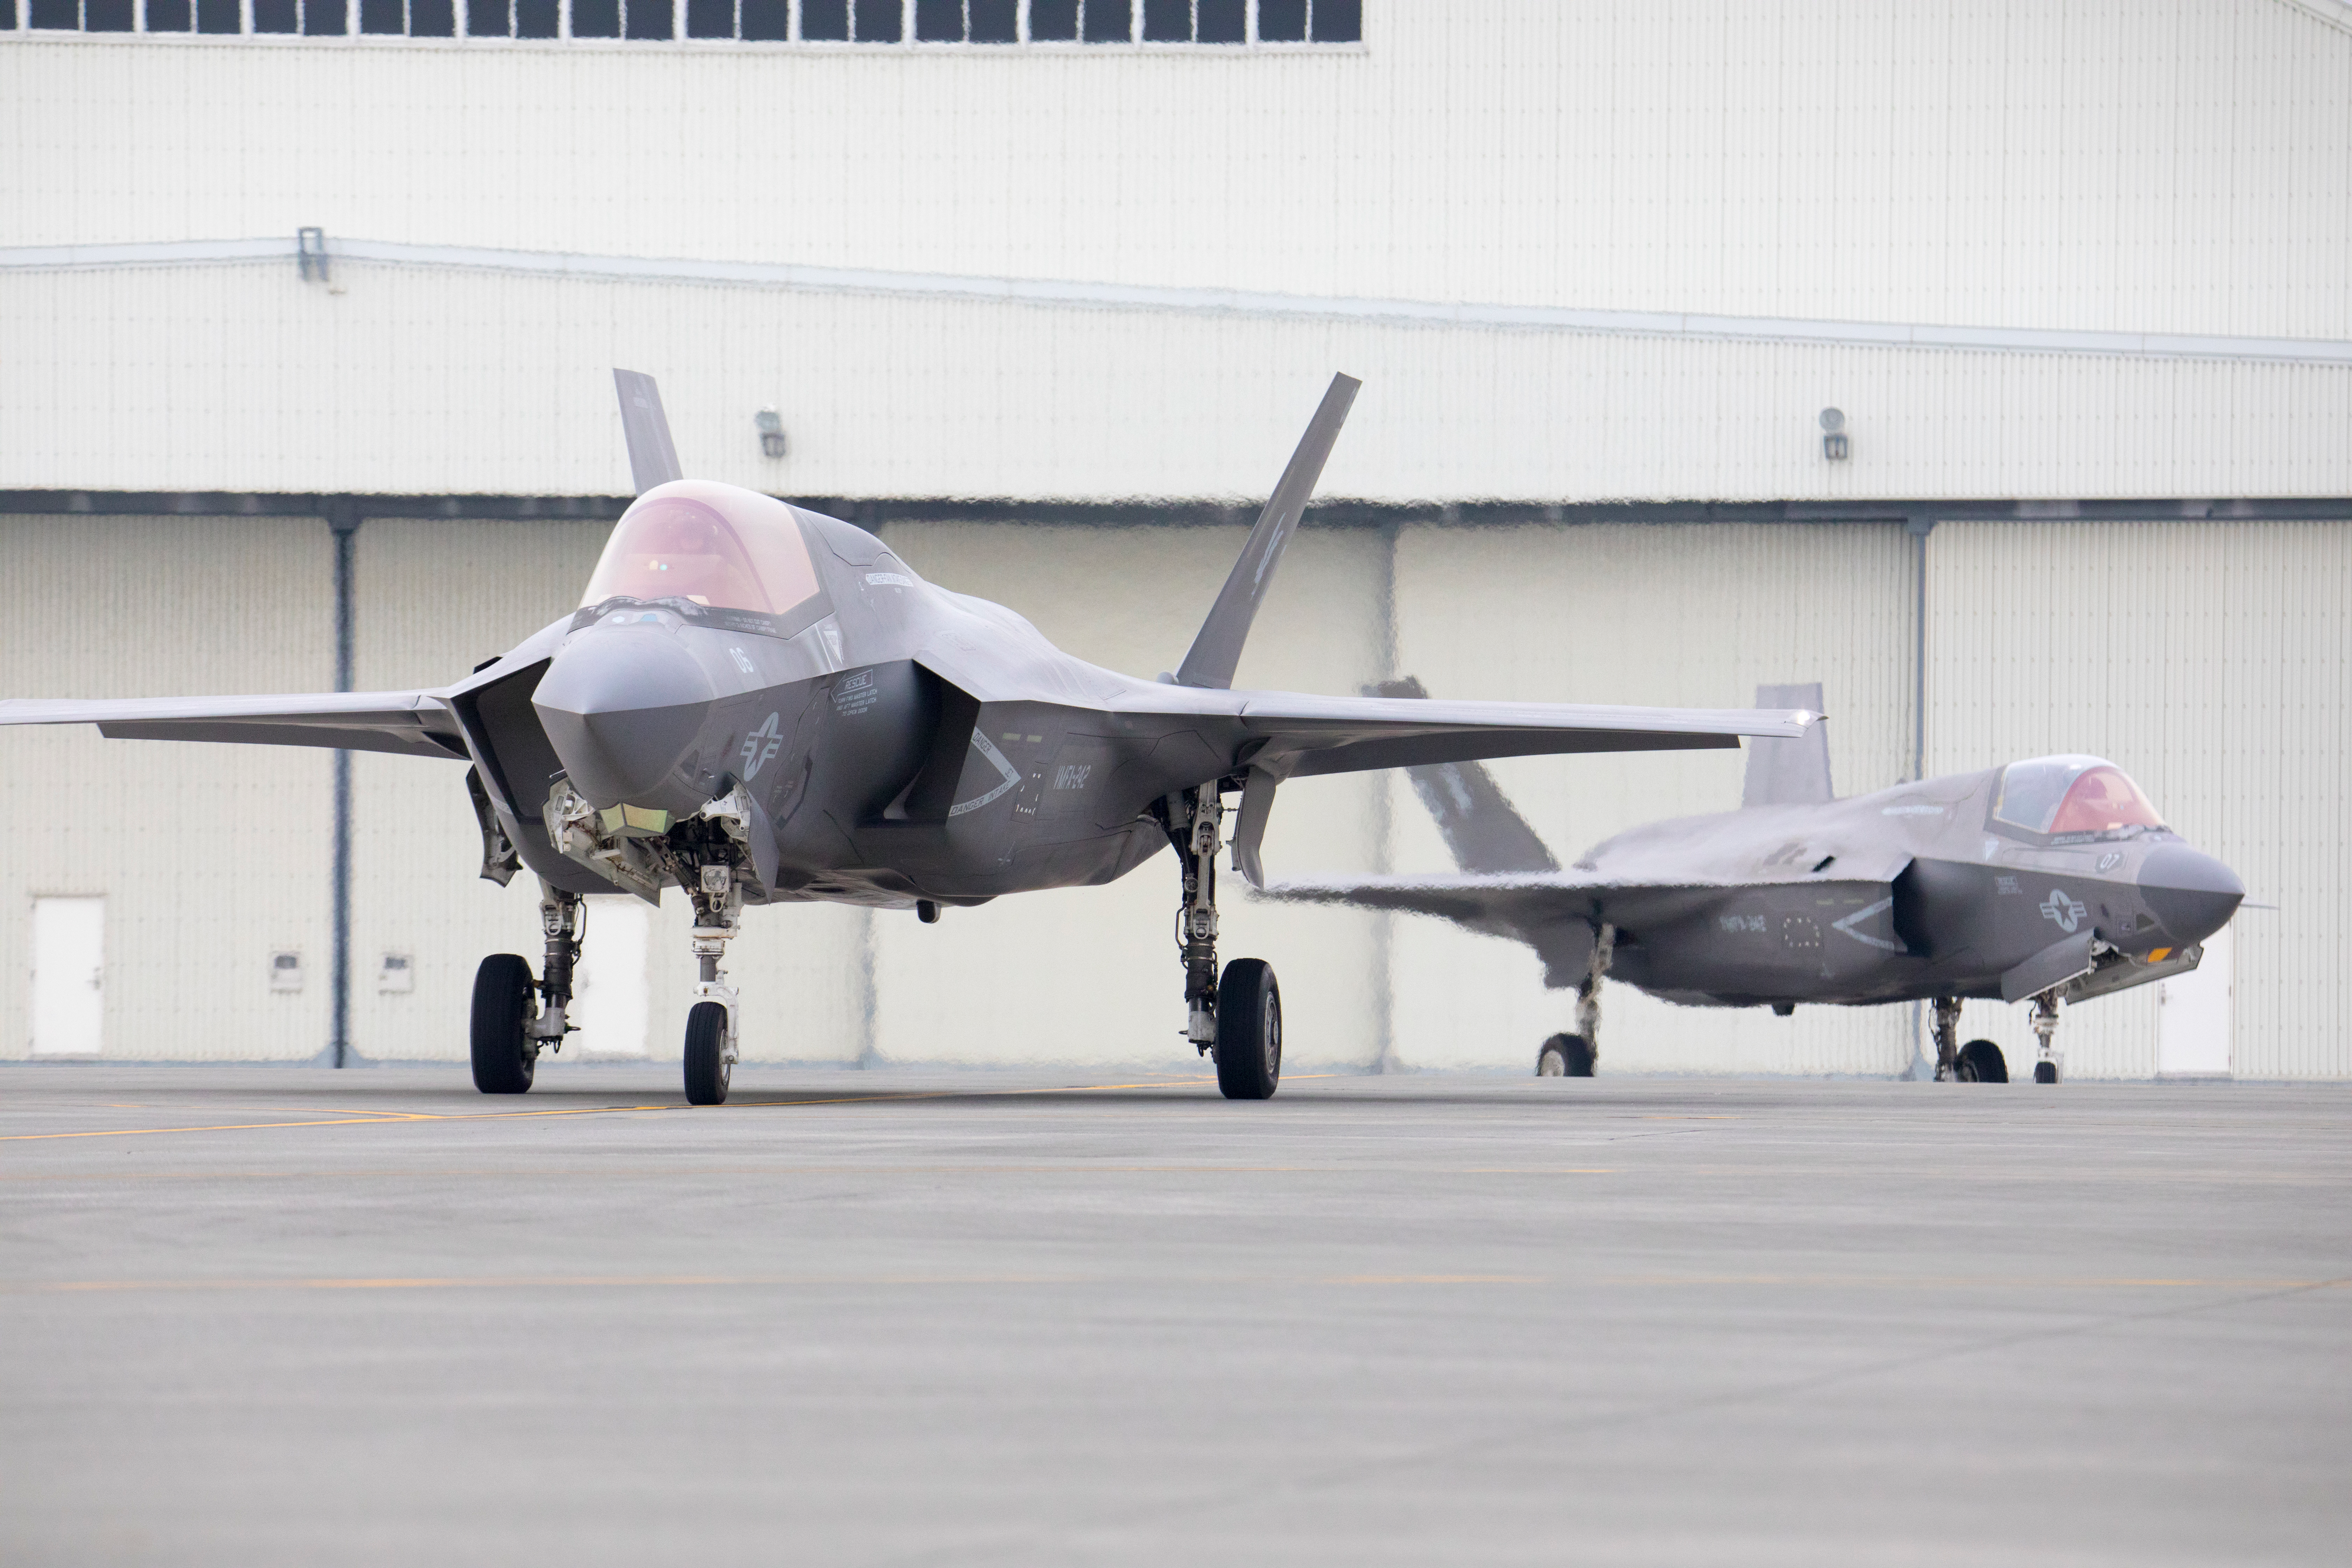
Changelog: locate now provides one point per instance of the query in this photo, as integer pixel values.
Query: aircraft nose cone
(2192, 894)
(622, 706)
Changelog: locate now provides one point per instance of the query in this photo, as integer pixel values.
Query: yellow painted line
(1437, 1279)
(372, 1118)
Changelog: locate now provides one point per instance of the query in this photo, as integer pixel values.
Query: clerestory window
(901, 23)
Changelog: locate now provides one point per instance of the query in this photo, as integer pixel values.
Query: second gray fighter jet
(2049, 879)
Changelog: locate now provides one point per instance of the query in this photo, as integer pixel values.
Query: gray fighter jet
(2052, 879)
(762, 705)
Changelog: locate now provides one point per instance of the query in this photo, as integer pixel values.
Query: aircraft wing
(1508, 906)
(1553, 912)
(409, 723)
(1304, 735)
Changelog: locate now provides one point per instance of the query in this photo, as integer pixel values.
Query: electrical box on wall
(395, 973)
(286, 970)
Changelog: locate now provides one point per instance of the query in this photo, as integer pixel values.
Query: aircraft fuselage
(1948, 901)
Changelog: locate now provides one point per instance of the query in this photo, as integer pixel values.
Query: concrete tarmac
(259, 1316)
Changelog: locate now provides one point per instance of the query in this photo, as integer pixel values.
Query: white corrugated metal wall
(2079, 164)
(210, 858)
(441, 382)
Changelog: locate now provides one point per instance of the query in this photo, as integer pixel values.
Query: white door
(610, 997)
(69, 970)
(2192, 1015)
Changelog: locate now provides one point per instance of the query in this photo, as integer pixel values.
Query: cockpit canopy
(710, 545)
(2051, 795)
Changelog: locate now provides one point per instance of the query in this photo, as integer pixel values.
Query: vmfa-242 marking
(759, 704)
(2052, 879)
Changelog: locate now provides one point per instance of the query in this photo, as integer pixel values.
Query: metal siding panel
(420, 381)
(209, 856)
(2180, 168)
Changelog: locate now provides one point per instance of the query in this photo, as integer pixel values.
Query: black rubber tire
(1249, 1030)
(1980, 1061)
(1574, 1056)
(504, 1058)
(2045, 1073)
(708, 1070)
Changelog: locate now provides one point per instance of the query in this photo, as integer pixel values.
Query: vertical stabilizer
(653, 460)
(1217, 648)
(1485, 835)
(1790, 772)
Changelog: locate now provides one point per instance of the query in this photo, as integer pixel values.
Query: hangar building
(308, 307)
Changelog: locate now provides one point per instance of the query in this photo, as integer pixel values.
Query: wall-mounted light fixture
(771, 432)
(310, 254)
(1834, 439)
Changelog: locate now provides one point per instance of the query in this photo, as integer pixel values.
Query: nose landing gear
(2045, 1031)
(711, 1033)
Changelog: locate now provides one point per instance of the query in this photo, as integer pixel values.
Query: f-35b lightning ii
(759, 704)
(2052, 879)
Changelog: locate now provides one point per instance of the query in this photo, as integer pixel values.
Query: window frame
(19, 27)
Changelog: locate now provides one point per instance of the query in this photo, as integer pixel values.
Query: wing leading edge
(1301, 736)
(407, 723)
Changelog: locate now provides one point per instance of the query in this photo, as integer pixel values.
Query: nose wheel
(710, 1065)
(710, 1037)
(1564, 1055)
(2045, 1034)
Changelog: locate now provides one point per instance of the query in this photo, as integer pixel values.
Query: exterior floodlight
(310, 254)
(1833, 438)
(771, 432)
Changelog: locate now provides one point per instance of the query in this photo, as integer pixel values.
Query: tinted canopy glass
(710, 545)
(2071, 794)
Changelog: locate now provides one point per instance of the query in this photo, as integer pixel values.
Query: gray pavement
(253, 1315)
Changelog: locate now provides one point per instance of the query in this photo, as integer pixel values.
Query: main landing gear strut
(1978, 1061)
(1235, 1018)
(1576, 1054)
(515, 1015)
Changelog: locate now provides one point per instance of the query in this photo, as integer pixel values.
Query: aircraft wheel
(708, 1070)
(1564, 1055)
(2045, 1073)
(1980, 1061)
(504, 1058)
(1249, 1030)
